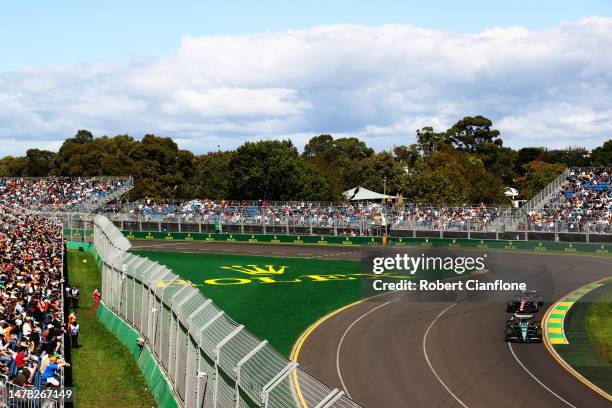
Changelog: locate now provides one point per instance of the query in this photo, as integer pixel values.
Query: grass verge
(104, 372)
(581, 352)
(275, 305)
(599, 324)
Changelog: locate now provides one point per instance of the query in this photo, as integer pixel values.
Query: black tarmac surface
(396, 351)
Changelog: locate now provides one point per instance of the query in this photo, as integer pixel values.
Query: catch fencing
(209, 359)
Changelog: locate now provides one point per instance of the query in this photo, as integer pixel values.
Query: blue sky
(209, 74)
(43, 32)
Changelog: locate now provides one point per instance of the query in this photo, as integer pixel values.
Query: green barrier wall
(254, 238)
(491, 244)
(79, 234)
(159, 387)
(511, 246)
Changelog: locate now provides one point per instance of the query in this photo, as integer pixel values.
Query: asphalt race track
(279, 250)
(396, 351)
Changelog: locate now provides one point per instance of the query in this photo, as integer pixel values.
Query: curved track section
(394, 352)
(408, 353)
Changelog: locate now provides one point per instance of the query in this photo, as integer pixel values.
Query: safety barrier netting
(210, 360)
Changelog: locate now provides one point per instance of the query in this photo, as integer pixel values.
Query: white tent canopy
(363, 194)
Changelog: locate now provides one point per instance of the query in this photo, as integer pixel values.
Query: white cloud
(551, 87)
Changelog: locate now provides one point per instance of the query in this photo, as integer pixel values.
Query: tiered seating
(585, 199)
(60, 194)
(31, 333)
(303, 214)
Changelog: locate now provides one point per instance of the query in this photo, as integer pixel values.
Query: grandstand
(574, 207)
(33, 353)
(583, 201)
(31, 289)
(62, 194)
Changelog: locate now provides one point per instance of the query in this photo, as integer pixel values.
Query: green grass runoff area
(274, 306)
(599, 323)
(104, 372)
(587, 327)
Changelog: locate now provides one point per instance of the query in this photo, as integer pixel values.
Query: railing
(209, 359)
(512, 215)
(91, 202)
(16, 396)
(79, 227)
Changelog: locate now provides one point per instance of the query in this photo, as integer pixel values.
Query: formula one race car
(523, 328)
(526, 301)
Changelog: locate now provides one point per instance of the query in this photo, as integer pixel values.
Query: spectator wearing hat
(49, 374)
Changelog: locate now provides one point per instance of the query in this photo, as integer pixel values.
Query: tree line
(466, 164)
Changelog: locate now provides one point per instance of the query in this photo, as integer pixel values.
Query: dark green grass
(581, 352)
(104, 372)
(278, 312)
(599, 324)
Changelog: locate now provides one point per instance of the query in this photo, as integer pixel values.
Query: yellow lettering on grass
(326, 278)
(227, 281)
(267, 279)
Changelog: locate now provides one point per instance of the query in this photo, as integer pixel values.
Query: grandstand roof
(363, 194)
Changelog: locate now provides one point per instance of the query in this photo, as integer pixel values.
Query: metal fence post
(218, 348)
(187, 324)
(331, 399)
(161, 315)
(239, 367)
(588, 230)
(202, 330)
(277, 379)
(469, 229)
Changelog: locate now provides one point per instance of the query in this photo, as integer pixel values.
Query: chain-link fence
(210, 360)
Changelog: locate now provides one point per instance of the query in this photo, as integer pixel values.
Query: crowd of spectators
(446, 218)
(584, 199)
(62, 193)
(308, 213)
(31, 329)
